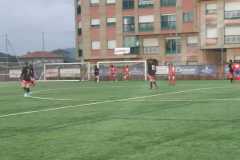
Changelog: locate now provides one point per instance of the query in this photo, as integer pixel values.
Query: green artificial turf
(194, 120)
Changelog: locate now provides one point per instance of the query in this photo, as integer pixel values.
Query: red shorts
(152, 78)
(230, 75)
(25, 83)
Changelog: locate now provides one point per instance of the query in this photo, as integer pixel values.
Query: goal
(66, 71)
(137, 69)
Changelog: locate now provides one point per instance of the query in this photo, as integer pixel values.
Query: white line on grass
(188, 100)
(102, 102)
(51, 99)
(56, 89)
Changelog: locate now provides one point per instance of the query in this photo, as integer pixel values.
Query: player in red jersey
(171, 74)
(113, 73)
(126, 73)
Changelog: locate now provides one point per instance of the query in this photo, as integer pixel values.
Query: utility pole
(6, 50)
(43, 41)
(6, 43)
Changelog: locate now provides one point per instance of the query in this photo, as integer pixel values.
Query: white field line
(51, 99)
(188, 100)
(55, 89)
(103, 102)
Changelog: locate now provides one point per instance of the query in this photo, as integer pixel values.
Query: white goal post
(137, 69)
(66, 71)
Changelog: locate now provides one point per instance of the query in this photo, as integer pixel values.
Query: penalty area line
(103, 102)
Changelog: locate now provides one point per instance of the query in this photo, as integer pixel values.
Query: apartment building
(220, 29)
(177, 31)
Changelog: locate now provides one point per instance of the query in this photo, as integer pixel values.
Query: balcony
(232, 39)
(168, 25)
(232, 14)
(128, 28)
(134, 50)
(146, 27)
(151, 50)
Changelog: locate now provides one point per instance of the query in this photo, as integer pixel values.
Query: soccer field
(194, 120)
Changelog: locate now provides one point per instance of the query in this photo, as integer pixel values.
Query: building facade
(176, 31)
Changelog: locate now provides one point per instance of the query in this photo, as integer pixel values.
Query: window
(111, 1)
(128, 24)
(151, 46)
(167, 3)
(173, 45)
(193, 40)
(111, 21)
(94, 2)
(232, 10)
(80, 53)
(211, 32)
(232, 34)
(95, 22)
(145, 3)
(128, 4)
(79, 31)
(111, 44)
(187, 16)
(133, 43)
(79, 10)
(96, 45)
(146, 23)
(168, 22)
(211, 8)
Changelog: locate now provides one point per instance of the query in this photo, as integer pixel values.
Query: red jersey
(113, 70)
(126, 70)
(172, 70)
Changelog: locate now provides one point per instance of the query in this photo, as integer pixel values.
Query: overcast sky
(25, 20)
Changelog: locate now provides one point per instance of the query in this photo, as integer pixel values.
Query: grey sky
(25, 20)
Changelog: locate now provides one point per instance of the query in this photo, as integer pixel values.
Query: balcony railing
(232, 39)
(151, 50)
(134, 50)
(146, 27)
(166, 25)
(232, 14)
(128, 28)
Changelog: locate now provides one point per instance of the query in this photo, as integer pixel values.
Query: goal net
(137, 69)
(66, 71)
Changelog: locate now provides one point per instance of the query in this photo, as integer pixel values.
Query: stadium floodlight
(137, 69)
(66, 71)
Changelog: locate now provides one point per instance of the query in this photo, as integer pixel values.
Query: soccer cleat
(25, 95)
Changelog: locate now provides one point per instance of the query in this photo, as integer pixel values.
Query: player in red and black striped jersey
(231, 71)
(96, 73)
(27, 79)
(152, 75)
